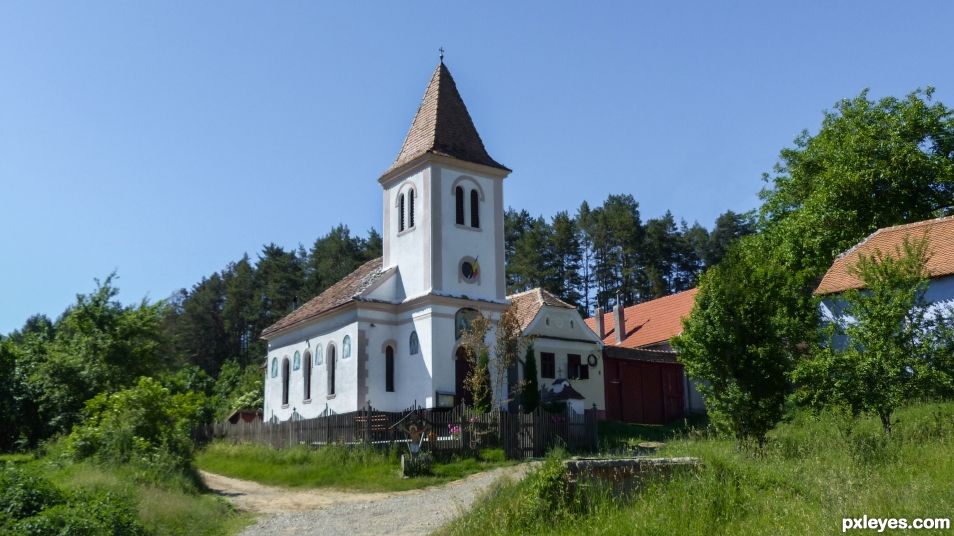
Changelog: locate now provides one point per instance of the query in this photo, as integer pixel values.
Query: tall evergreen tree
(729, 227)
(332, 257)
(583, 220)
(241, 314)
(533, 265)
(280, 279)
(567, 259)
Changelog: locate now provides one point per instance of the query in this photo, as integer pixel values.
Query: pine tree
(567, 258)
(583, 219)
(240, 313)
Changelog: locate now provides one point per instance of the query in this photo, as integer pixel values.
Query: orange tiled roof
(530, 302)
(649, 323)
(940, 235)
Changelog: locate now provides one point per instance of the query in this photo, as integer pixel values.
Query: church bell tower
(443, 203)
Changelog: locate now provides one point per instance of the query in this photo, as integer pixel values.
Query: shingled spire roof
(442, 126)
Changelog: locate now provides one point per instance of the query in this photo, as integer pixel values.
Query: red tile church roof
(442, 126)
(341, 293)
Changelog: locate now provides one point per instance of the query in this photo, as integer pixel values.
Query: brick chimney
(619, 316)
(598, 318)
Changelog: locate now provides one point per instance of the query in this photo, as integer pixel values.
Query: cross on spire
(441, 50)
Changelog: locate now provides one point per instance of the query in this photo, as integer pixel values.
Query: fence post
(367, 423)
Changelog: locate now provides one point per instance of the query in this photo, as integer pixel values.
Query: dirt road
(332, 512)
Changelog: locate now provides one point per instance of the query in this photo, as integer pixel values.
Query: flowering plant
(453, 429)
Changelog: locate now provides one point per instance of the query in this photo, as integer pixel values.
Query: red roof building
(643, 379)
(646, 325)
(889, 241)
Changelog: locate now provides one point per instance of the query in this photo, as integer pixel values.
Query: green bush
(23, 495)
(145, 425)
(99, 514)
(30, 505)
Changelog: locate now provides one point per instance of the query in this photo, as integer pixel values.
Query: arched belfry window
(306, 375)
(286, 373)
(389, 369)
(459, 198)
(319, 355)
(474, 209)
(401, 213)
(274, 367)
(410, 209)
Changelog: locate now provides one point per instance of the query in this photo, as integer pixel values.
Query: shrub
(23, 495)
(98, 514)
(144, 424)
(31, 505)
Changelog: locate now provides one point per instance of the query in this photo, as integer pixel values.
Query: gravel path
(333, 512)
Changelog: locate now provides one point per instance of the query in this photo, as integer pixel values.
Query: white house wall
(550, 328)
(939, 298)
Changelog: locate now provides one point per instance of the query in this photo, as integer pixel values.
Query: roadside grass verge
(173, 506)
(813, 472)
(335, 467)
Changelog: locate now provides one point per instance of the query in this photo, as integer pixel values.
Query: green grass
(810, 475)
(175, 507)
(335, 467)
(620, 436)
(16, 458)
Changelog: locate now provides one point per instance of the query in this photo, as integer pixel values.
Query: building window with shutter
(547, 365)
(577, 370)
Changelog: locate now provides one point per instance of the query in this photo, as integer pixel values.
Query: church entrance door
(461, 371)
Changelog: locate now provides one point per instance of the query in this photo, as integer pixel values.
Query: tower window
(410, 209)
(459, 197)
(474, 209)
(389, 369)
(401, 213)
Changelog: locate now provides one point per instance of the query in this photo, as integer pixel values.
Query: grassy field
(174, 508)
(811, 474)
(336, 467)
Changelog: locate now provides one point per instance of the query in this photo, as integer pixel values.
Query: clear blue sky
(165, 139)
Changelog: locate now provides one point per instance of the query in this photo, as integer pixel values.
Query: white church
(387, 334)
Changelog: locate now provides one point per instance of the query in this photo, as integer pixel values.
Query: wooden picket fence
(460, 429)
